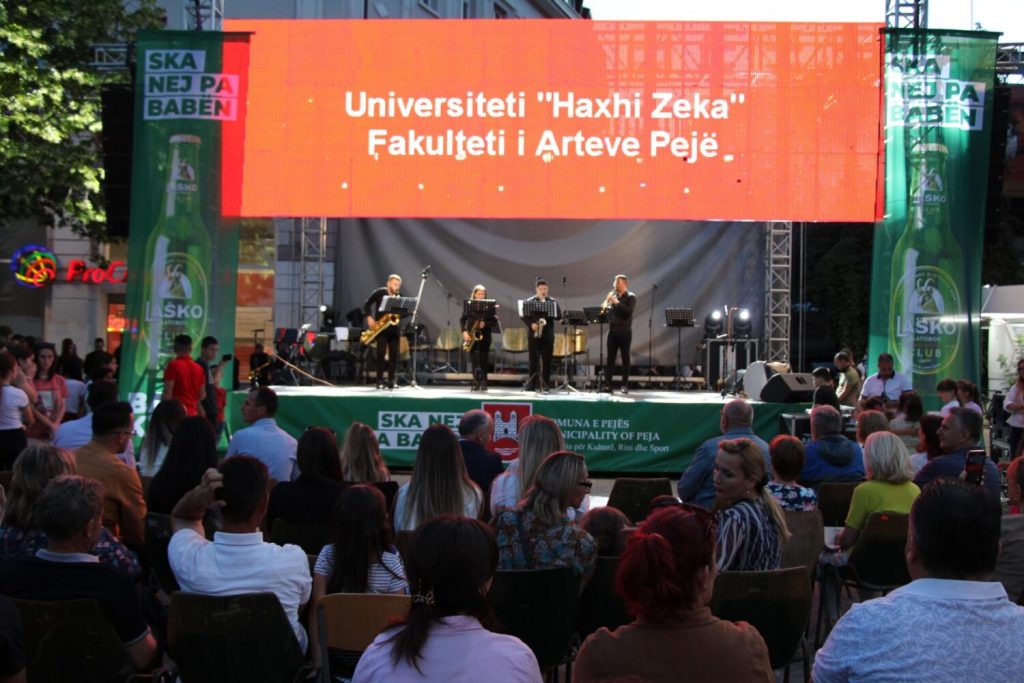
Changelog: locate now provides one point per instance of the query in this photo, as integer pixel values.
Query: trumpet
(607, 301)
(539, 332)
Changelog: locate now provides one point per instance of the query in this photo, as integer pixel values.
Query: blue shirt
(950, 466)
(832, 458)
(269, 444)
(697, 484)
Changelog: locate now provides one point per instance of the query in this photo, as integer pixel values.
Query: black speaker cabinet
(789, 387)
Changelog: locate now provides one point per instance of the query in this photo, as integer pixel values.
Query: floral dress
(526, 542)
(794, 497)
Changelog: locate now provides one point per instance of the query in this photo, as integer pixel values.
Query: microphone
(425, 271)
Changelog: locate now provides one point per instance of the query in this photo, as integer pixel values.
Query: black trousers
(541, 351)
(388, 343)
(618, 342)
(478, 357)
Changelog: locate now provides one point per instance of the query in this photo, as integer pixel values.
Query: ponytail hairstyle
(754, 467)
(450, 560)
(970, 388)
(657, 575)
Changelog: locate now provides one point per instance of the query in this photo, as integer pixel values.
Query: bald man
(697, 484)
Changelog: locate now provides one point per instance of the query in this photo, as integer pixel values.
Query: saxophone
(386, 321)
(540, 328)
(474, 337)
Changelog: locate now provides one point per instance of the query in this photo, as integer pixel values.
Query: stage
(647, 431)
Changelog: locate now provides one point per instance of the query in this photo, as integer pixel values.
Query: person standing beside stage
(619, 304)
(208, 350)
(263, 439)
(1013, 404)
(541, 340)
(471, 327)
(388, 340)
(849, 380)
(259, 367)
(183, 377)
(887, 384)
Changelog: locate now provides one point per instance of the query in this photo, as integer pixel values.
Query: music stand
(538, 309)
(598, 315)
(679, 318)
(403, 306)
(573, 319)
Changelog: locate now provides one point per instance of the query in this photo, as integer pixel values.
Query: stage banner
(925, 299)
(190, 102)
(563, 119)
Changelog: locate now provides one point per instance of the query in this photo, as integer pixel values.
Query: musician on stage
(541, 340)
(259, 367)
(478, 353)
(388, 340)
(619, 303)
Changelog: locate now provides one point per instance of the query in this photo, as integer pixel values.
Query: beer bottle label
(925, 306)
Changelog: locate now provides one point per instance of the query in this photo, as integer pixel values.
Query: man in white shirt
(237, 561)
(263, 439)
(951, 623)
(74, 434)
(886, 383)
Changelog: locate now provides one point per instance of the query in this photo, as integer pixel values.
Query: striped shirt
(747, 538)
(386, 575)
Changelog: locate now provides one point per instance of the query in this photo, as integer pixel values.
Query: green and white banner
(925, 298)
(183, 243)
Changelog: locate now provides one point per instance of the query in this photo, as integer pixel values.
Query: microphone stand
(415, 336)
(650, 339)
(447, 367)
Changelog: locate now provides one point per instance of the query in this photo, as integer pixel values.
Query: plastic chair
(232, 638)
(834, 501)
(157, 537)
(599, 604)
(514, 340)
(310, 537)
(806, 542)
(346, 625)
(448, 340)
(539, 607)
(634, 496)
(70, 640)
(777, 603)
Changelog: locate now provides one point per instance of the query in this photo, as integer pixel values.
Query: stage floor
(646, 431)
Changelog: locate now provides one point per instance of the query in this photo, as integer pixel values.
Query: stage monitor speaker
(757, 375)
(789, 387)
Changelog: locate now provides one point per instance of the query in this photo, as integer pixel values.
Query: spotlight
(713, 324)
(329, 319)
(323, 308)
(742, 327)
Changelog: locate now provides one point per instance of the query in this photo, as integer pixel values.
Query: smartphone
(225, 358)
(975, 465)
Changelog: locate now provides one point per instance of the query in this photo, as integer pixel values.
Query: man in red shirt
(183, 378)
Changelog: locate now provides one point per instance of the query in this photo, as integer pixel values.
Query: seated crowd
(75, 526)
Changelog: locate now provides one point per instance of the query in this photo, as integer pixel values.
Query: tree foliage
(50, 155)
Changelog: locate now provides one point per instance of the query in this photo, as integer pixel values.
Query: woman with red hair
(666, 576)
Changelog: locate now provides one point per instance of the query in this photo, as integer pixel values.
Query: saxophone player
(388, 340)
(619, 303)
(541, 340)
(478, 333)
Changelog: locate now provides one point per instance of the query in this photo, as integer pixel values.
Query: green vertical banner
(186, 188)
(926, 271)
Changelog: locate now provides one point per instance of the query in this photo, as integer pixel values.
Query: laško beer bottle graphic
(927, 316)
(176, 297)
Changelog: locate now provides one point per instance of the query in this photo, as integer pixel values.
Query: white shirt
(472, 501)
(148, 470)
(14, 400)
(948, 407)
(269, 444)
(891, 388)
(505, 493)
(1015, 395)
(242, 563)
(386, 576)
(928, 630)
(458, 650)
(77, 393)
(76, 433)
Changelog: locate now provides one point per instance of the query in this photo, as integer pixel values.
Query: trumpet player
(476, 338)
(619, 303)
(541, 341)
(388, 340)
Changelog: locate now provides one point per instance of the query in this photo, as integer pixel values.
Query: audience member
(830, 456)
(959, 433)
(51, 395)
(697, 485)
(1013, 405)
(824, 396)
(475, 430)
(104, 368)
(439, 484)
(183, 377)
(70, 511)
(822, 377)
(22, 534)
(310, 498)
(15, 413)
(69, 365)
(946, 389)
(849, 380)
(928, 447)
(907, 422)
(124, 510)
(950, 623)
(93, 358)
(609, 527)
(76, 433)
(969, 396)
(1010, 565)
(451, 562)
(360, 456)
(237, 561)
(263, 439)
(874, 404)
(751, 526)
(363, 557)
(159, 430)
(192, 451)
(539, 437)
(870, 421)
(666, 576)
(787, 463)
(887, 384)
(538, 533)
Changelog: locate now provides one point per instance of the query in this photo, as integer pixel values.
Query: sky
(994, 15)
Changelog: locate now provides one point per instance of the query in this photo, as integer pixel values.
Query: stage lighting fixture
(713, 324)
(323, 308)
(329, 319)
(742, 327)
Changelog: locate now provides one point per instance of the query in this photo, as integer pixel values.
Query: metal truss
(906, 13)
(204, 15)
(313, 249)
(777, 304)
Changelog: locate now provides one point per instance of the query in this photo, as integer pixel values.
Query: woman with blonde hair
(751, 525)
(539, 437)
(472, 328)
(538, 533)
(439, 484)
(360, 456)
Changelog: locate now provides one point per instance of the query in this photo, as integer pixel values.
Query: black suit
(541, 348)
(620, 336)
(482, 465)
(388, 341)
